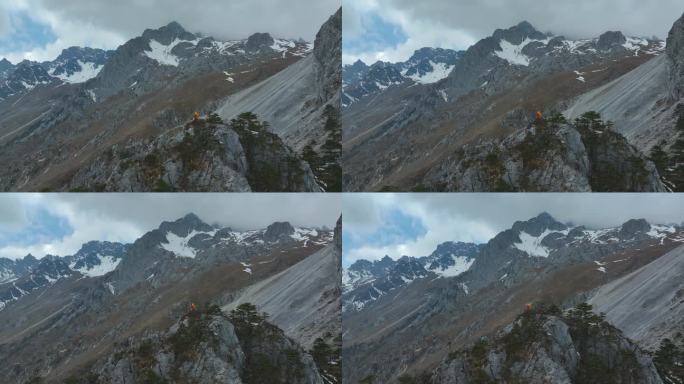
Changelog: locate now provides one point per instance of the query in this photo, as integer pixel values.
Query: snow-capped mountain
(73, 65)
(539, 240)
(97, 258)
(149, 88)
(539, 260)
(289, 272)
(500, 81)
(45, 272)
(170, 45)
(451, 258)
(11, 270)
(77, 64)
(425, 66)
(187, 241)
(366, 281)
(24, 77)
(145, 62)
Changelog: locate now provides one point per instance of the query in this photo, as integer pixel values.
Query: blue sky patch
(42, 227)
(379, 35)
(26, 34)
(397, 227)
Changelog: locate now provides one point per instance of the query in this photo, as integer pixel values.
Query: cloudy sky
(414, 224)
(40, 29)
(60, 223)
(390, 30)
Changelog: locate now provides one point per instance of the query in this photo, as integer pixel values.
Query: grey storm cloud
(126, 216)
(4, 22)
(572, 18)
(500, 211)
(223, 19)
(239, 211)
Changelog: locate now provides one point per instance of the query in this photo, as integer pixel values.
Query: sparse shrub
(214, 118)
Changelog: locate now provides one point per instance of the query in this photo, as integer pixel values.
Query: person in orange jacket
(193, 307)
(196, 116)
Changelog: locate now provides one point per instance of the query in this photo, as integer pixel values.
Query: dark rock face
(675, 57)
(537, 225)
(518, 33)
(277, 231)
(328, 54)
(610, 40)
(5, 68)
(185, 225)
(168, 33)
(25, 76)
(354, 72)
(634, 227)
(338, 233)
(258, 42)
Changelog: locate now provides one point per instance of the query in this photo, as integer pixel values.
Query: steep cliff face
(302, 104)
(675, 55)
(551, 347)
(585, 155)
(202, 156)
(207, 346)
(328, 54)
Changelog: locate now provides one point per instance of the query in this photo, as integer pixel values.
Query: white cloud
(4, 22)
(420, 32)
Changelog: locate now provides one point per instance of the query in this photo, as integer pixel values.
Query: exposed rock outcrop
(209, 347)
(577, 347)
(200, 157)
(580, 156)
(675, 55)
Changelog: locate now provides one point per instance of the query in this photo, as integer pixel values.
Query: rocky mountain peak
(610, 40)
(29, 258)
(633, 227)
(259, 41)
(358, 65)
(537, 225)
(518, 33)
(675, 56)
(5, 65)
(278, 230)
(328, 53)
(377, 267)
(168, 33)
(337, 237)
(183, 226)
